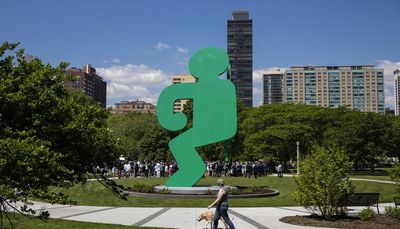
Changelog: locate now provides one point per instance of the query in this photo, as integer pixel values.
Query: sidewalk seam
(247, 219)
(85, 213)
(151, 217)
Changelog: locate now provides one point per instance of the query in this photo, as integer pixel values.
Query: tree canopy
(271, 132)
(48, 137)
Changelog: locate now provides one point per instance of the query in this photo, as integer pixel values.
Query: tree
(365, 136)
(141, 136)
(47, 136)
(395, 175)
(323, 186)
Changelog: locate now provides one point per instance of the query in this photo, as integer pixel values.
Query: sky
(137, 45)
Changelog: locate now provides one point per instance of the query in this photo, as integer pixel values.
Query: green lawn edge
(22, 222)
(94, 194)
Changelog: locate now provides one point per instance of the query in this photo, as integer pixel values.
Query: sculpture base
(196, 190)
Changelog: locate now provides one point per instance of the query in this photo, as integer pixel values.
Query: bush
(393, 212)
(234, 191)
(366, 214)
(208, 192)
(165, 191)
(395, 175)
(251, 189)
(323, 186)
(142, 187)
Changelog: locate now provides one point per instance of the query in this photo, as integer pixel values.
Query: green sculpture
(214, 113)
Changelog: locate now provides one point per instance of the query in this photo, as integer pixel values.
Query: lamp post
(298, 158)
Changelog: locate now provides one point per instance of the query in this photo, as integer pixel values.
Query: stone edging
(177, 196)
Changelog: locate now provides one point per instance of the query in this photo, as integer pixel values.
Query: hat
(220, 182)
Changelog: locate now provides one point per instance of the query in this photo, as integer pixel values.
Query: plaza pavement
(185, 218)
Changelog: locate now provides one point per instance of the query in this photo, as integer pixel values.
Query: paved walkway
(185, 218)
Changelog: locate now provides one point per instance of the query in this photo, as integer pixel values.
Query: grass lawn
(95, 194)
(23, 222)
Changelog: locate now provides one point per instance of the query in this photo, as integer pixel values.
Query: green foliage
(207, 192)
(165, 191)
(140, 135)
(395, 176)
(142, 187)
(251, 189)
(323, 186)
(234, 191)
(271, 132)
(393, 212)
(366, 214)
(47, 137)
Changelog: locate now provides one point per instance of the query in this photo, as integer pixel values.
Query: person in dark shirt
(222, 206)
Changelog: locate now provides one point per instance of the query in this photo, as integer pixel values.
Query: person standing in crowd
(222, 206)
(158, 169)
(279, 170)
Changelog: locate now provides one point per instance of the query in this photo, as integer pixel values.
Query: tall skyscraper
(179, 105)
(397, 92)
(88, 82)
(357, 87)
(240, 52)
(273, 87)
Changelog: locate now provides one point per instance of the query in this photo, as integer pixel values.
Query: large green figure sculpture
(214, 113)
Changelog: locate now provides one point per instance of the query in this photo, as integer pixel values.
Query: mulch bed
(381, 221)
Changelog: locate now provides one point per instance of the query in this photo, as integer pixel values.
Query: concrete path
(376, 181)
(185, 218)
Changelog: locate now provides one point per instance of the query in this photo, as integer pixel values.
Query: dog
(209, 216)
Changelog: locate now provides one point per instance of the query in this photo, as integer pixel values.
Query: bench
(396, 202)
(364, 199)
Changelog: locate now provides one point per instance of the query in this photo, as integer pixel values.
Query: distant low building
(125, 107)
(181, 78)
(88, 82)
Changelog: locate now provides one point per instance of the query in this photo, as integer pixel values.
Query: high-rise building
(357, 87)
(88, 82)
(182, 78)
(397, 92)
(126, 107)
(273, 87)
(240, 52)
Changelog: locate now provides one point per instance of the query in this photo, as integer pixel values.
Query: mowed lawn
(93, 193)
(21, 222)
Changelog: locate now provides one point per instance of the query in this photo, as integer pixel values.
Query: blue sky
(137, 45)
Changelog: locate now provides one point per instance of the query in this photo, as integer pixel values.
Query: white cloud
(131, 82)
(111, 61)
(182, 50)
(389, 67)
(160, 46)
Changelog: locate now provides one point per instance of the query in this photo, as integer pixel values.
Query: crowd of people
(161, 168)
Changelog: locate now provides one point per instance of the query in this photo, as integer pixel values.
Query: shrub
(366, 214)
(142, 187)
(395, 175)
(323, 186)
(393, 212)
(207, 192)
(165, 191)
(251, 189)
(234, 191)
